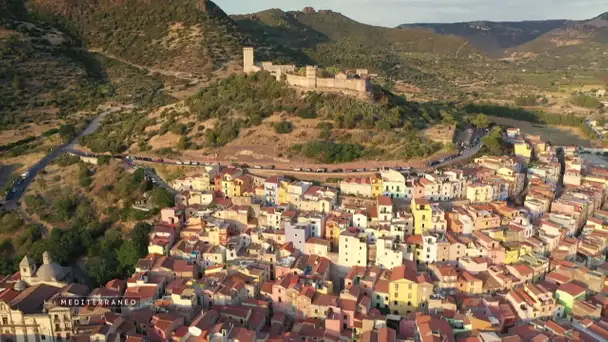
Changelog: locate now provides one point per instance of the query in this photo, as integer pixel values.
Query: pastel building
(393, 184)
(423, 214)
(353, 249)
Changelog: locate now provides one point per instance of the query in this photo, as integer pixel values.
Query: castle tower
(311, 77)
(248, 60)
(27, 268)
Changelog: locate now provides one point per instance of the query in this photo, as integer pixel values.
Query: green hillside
(190, 36)
(330, 39)
(45, 76)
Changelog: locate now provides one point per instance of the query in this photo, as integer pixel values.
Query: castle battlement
(310, 81)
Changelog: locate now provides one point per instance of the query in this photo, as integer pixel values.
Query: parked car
(297, 169)
(195, 163)
(257, 167)
(179, 162)
(307, 170)
(336, 170)
(321, 170)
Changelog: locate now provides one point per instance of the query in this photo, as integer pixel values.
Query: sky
(394, 12)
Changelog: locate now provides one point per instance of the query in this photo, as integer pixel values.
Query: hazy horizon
(391, 13)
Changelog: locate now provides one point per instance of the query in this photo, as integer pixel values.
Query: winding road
(12, 199)
(17, 191)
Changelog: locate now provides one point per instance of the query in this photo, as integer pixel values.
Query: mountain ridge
(499, 38)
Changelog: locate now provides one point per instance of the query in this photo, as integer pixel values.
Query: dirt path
(177, 74)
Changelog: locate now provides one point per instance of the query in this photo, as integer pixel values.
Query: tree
(67, 133)
(104, 160)
(479, 121)
(127, 256)
(162, 198)
(84, 176)
(140, 238)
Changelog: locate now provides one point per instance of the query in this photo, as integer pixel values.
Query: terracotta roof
(385, 201)
(572, 289)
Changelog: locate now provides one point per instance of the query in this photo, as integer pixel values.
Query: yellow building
(376, 186)
(211, 235)
(468, 283)
(496, 234)
(240, 186)
(423, 213)
(332, 233)
(511, 255)
(480, 193)
(403, 290)
(523, 150)
(283, 193)
(199, 182)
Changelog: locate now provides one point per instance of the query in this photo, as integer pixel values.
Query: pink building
(174, 216)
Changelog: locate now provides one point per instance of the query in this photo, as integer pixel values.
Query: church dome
(20, 286)
(49, 271)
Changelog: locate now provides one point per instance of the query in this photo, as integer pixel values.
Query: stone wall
(310, 81)
(295, 80)
(359, 85)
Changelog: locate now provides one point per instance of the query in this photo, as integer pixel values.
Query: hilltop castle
(341, 82)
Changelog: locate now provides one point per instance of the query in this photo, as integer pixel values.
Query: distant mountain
(494, 37)
(583, 44)
(193, 36)
(500, 38)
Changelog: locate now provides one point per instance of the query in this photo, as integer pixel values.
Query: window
(4, 321)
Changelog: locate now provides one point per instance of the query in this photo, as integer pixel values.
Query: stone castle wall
(360, 85)
(310, 81)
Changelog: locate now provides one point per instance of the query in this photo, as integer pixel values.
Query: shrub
(283, 127)
(585, 101)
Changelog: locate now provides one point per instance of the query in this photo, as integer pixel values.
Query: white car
(178, 162)
(187, 162)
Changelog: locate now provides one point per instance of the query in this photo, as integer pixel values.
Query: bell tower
(248, 60)
(27, 268)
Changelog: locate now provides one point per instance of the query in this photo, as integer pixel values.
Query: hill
(331, 39)
(191, 36)
(493, 37)
(255, 112)
(41, 78)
